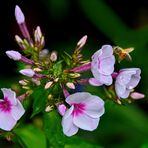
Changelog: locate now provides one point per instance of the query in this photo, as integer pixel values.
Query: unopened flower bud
(23, 82)
(53, 56)
(48, 108)
(70, 85)
(50, 96)
(56, 79)
(37, 69)
(137, 95)
(82, 41)
(36, 81)
(48, 84)
(27, 72)
(19, 15)
(13, 55)
(38, 35)
(62, 109)
(18, 39)
(74, 75)
(43, 53)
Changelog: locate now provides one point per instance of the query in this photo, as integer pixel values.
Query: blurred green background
(64, 22)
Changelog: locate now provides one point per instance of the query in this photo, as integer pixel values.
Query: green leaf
(39, 100)
(53, 129)
(57, 68)
(31, 137)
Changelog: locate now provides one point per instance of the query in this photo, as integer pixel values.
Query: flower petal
(94, 82)
(106, 79)
(17, 111)
(107, 65)
(69, 128)
(107, 51)
(120, 89)
(78, 97)
(9, 95)
(94, 107)
(85, 122)
(133, 82)
(7, 122)
(125, 94)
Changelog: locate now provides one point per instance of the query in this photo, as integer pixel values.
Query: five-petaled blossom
(126, 81)
(11, 110)
(84, 113)
(102, 66)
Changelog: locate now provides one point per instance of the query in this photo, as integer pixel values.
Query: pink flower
(102, 66)
(11, 110)
(126, 81)
(84, 113)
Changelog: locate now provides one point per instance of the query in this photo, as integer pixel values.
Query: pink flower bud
(19, 15)
(13, 55)
(70, 85)
(82, 41)
(62, 109)
(137, 95)
(53, 56)
(27, 72)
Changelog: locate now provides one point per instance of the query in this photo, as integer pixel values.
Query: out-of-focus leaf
(31, 137)
(39, 100)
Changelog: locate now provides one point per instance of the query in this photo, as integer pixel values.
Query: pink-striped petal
(69, 128)
(9, 95)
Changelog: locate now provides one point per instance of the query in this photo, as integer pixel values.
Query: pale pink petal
(106, 79)
(133, 82)
(9, 95)
(120, 89)
(17, 110)
(85, 122)
(94, 107)
(124, 77)
(69, 128)
(107, 51)
(94, 82)
(78, 97)
(125, 94)
(107, 65)
(7, 122)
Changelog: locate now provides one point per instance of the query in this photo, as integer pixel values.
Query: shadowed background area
(64, 22)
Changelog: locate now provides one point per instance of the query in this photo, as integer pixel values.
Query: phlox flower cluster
(46, 69)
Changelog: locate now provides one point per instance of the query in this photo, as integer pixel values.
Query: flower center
(5, 105)
(78, 109)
